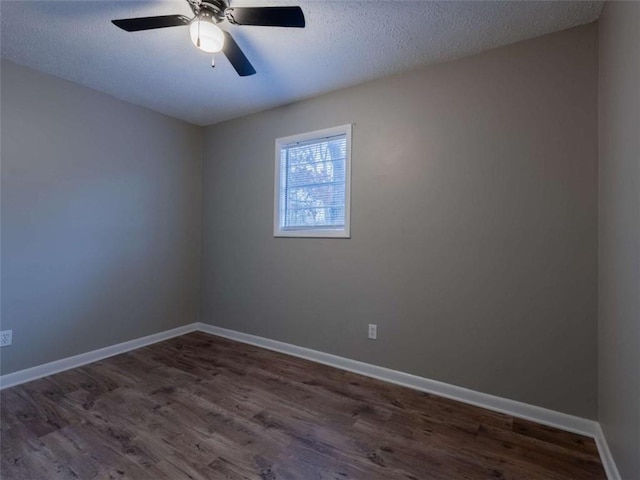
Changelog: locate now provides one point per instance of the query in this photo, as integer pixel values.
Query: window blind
(312, 183)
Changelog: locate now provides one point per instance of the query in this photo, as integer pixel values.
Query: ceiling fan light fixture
(206, 35)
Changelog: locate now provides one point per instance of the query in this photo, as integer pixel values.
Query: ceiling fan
(209, 37)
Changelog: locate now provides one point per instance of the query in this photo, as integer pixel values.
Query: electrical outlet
(373, 331)
(5, 338)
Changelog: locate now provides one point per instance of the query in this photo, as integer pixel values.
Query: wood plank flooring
(203, 407)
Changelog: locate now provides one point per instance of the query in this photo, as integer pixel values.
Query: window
(313, 180)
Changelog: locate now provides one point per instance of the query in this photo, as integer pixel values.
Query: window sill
(316, 233)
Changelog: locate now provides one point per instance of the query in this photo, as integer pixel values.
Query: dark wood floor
(202, 407)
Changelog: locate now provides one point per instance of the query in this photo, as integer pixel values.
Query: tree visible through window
(313, 184)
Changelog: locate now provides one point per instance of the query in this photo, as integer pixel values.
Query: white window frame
(345, 232)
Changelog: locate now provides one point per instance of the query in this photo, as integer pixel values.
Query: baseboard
(608, 462)
(39, 371)
(514, 408)
(541, 415)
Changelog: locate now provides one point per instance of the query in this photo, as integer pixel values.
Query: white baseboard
(563, 421)
(39, 371)
(541, 415)
(514, 408)
(605, 455)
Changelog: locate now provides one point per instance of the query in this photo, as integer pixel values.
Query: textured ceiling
(344, 43)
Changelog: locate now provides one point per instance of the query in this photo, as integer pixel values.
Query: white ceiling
(344, 43)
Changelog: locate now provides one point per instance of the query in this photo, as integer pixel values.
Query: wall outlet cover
(373, 331)
(6, 338)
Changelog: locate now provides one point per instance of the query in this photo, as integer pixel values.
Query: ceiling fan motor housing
(211, 9)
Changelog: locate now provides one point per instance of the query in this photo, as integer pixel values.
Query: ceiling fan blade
(149, 23)
(266, 16)
(239, 61)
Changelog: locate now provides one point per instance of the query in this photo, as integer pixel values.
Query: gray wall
(101, 216)
(474, 225)
(619, 305)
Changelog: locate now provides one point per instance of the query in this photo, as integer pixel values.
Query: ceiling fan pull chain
(198, 41)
